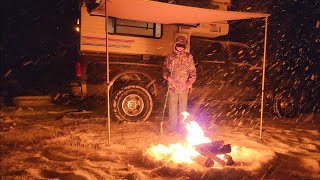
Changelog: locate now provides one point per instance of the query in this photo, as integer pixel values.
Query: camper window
(134, 28)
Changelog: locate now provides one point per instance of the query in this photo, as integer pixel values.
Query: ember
(196, 147)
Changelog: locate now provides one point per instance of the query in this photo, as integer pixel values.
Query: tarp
(165, 13)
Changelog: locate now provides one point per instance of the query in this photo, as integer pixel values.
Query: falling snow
(53, 142)
(39, 143)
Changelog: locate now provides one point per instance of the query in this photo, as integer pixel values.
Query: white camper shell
(149, 35)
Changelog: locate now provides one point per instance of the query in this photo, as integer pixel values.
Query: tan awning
(152, 11)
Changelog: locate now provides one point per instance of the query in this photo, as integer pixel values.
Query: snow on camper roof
(158, 12)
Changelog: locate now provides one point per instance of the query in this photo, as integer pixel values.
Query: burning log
(209, 162)
(212, 149)
(229, 159)
(215, 147)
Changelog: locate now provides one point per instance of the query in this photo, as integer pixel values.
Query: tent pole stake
(107, 71)
(263, 71)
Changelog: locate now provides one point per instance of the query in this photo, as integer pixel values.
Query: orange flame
(181, 153)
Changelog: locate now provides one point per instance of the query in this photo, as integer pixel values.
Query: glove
(189, 85)
(170, 80)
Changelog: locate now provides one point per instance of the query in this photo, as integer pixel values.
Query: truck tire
(285, 105)
(132, 103)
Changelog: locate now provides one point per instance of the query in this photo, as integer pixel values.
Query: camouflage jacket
(180, 67)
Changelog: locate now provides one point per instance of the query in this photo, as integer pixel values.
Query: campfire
(197, 148)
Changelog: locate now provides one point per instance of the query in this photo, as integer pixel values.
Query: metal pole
(107, 71)
(263, 71)
(164, 110)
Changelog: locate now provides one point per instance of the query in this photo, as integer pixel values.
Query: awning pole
(107, 71)
(263, 71)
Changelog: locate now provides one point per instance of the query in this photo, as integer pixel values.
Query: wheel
(285, 105)
(132, 103)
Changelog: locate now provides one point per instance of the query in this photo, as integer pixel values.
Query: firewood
(209, 162)
(214, 148)
(218, 160)
(204, 160)
(206, 152)
(229, 159)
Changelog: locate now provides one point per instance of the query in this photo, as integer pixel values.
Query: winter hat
(181, 40)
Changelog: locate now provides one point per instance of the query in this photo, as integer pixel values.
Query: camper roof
(158, 12)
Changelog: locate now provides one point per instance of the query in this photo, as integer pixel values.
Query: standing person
(180, 72)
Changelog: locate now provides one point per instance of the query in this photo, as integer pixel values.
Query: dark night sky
(292, 34)
(40, 33)
(39, 42)
(29, 25)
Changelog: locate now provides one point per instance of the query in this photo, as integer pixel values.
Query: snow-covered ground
(41, 144)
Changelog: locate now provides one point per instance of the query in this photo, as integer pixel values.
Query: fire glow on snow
(181, 152)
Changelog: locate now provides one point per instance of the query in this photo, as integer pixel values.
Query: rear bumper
(77, 88)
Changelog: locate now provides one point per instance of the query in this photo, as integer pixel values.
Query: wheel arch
(131, 76)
